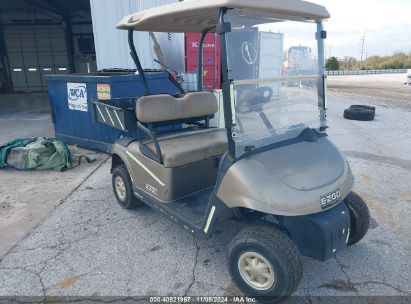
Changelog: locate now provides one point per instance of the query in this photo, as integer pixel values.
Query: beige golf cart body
(295, 172)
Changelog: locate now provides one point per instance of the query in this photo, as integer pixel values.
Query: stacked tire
(360, 112)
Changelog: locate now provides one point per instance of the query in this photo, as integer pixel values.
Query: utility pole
(362, 46)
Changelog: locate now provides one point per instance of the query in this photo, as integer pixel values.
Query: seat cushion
(160, 108)
(189, 147)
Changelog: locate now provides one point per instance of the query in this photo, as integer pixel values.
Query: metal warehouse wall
(112, 49)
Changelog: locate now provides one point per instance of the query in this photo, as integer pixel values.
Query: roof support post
(322, 82)
(68, 33)
(321, 36)
(200, 59)
(222, 28)
(8, 85)
(136, 60)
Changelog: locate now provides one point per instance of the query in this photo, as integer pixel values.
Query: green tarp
(36, 153)
(6, 148)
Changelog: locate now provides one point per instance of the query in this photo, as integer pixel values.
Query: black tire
(128, 201)
(262, 93)
(362, 107)
(281, 253)
(359, 218)
(359, 114)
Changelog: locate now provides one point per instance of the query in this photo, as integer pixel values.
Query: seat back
(163, 108)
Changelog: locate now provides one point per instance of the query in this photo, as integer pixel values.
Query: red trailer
(211, 58)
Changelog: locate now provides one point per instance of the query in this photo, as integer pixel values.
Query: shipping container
(211, 58)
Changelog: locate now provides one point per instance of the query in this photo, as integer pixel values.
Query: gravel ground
(89, 247)
(384, 90)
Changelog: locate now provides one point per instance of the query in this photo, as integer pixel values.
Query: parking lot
(88, 247)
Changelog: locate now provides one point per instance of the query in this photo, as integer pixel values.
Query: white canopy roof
(196, 15)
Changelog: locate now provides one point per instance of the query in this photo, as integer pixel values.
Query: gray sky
(386, 24)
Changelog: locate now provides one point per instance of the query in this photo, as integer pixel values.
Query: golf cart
(272, 166)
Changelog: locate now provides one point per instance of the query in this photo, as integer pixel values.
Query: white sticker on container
(77, 96)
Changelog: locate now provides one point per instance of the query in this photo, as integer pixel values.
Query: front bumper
(320, 235)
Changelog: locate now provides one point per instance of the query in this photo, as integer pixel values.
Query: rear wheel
(123, 189)
(264, 263)
(359, 218)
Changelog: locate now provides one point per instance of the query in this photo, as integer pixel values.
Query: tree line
(399, 60)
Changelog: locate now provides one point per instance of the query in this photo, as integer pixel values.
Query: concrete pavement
(90, 247)
(27, 197)
(24, 115)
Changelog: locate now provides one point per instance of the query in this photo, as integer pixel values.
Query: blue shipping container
(71, 99)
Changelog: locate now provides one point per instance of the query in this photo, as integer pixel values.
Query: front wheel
(359, 218)
(264, 263)
(123, 188)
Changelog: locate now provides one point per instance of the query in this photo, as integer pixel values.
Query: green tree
(399, 60)
(349, 63)
(332, 64)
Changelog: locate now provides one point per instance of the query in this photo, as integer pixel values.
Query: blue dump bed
(78, 121)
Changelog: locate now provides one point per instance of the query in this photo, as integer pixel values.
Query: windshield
(274, 74)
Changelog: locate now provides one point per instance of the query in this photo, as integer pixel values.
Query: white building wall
(111, 45)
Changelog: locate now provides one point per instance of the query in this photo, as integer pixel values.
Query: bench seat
(192, 146)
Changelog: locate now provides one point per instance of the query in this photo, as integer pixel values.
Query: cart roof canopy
(197, 15)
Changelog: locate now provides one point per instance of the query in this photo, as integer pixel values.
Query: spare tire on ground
(359, 113)
(362, 107)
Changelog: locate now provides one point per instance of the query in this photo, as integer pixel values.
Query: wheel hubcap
(120, 187)
(256, 271)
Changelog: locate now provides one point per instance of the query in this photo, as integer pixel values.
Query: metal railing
(365, 72)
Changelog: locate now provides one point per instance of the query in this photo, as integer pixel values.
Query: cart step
(189, 212)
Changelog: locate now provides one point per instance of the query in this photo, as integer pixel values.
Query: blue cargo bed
(73, 98)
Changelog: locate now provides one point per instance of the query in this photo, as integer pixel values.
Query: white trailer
(271, 66)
